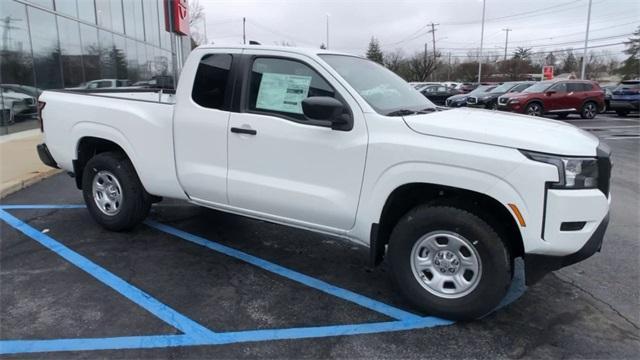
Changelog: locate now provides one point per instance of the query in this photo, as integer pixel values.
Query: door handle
(243, 131)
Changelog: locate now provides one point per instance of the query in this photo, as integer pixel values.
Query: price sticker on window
(283, 92)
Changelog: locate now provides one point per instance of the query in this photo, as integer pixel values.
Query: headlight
(573, 172)
(514, 101)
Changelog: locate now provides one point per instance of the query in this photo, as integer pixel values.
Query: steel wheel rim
(107, 193)
(446, 264)
(589, 111)
(534, 110)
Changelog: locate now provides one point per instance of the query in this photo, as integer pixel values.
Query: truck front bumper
(536, 266)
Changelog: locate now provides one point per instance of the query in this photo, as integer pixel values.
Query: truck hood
(506, 129)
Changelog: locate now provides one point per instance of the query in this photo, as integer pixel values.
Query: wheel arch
(89, 146)
(407, 196)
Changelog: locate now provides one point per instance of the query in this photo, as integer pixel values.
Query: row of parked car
(538, 98)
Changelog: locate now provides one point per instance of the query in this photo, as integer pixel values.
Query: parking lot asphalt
(202, 272)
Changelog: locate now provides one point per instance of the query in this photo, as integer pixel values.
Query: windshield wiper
(403, 112)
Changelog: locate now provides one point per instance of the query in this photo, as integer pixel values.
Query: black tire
(496, 265)
(534, 109)
(589, 110)
(622, 113)
(135, 204)
(563, 115)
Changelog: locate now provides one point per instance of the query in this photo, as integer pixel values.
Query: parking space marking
(141, 298)
(233, 337)
(288, 273)
(194, 333)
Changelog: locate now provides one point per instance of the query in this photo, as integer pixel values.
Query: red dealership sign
(547, 72)
(176, 16)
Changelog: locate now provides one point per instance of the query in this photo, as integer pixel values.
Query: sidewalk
(19, 162)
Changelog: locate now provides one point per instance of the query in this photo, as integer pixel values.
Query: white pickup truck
(337, 144)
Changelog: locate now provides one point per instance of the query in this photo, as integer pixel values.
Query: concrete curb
(12, 186)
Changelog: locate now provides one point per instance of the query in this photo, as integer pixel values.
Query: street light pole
(327, 31)
(481, 43)
(586, 41)
(506, 42)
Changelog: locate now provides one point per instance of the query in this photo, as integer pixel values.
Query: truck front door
(280, 165)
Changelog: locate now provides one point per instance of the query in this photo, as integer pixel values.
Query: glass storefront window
(67, 7)
(107, 65)
(151, 23)
(119, 58)
(45, 48)
(44, 3)
(87, 11)
(17, 91)
(90, 52)
(117, 16)
(71, 52)
(133, 70)
(103, 13)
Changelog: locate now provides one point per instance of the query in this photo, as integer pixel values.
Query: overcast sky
(541, 25)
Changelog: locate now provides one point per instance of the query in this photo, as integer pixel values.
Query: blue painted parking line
(162, 341)
(129, 291)
(194, 333)
(288, 273)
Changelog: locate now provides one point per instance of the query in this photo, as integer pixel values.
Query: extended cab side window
(278, 86)
(211, 81)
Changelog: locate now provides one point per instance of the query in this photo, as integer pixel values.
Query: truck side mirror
(323, 108)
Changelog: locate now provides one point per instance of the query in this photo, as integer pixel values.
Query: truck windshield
(386, 92)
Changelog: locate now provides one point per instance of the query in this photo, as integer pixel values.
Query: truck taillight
(41, 105)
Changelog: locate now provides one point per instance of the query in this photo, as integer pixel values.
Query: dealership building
(85, 44)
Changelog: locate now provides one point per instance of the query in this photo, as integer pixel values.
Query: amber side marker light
(516, 212)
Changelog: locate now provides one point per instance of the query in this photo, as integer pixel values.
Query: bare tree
(196, 15)
(421, 66)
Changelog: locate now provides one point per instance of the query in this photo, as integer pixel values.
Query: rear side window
(574, 87)
(210, 83)
(278, 86)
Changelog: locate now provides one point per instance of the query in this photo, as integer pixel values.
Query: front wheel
(449, 262)
(534, 109)
(113, 192)
(589, 110)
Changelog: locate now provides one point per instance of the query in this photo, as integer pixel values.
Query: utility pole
(506, 42)
(433, 38)
(449, 68)
(327, 31)
(425, 61)
(586, 41)
(244, 30)
(481, 43)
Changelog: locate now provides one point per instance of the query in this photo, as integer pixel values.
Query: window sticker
(282, 92)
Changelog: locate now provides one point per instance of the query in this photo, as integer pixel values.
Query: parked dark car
(461, 99)
(556, 97)
(490, 99)
(626, 97)
(438, 94)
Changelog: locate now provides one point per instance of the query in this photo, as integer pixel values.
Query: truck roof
(291, 49)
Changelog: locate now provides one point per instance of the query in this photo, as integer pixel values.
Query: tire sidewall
(526, 109)
(496, 264)
(583, 113)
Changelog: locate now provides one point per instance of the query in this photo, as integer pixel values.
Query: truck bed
(139, 120)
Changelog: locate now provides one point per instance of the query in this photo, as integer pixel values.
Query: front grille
(502, 101)
(472, 100)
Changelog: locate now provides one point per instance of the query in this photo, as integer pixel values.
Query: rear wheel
(589, 110)
(449, 262)
(622, 113)
(113, 193)
(534, 109)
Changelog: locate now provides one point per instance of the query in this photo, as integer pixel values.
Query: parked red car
(562, 98)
